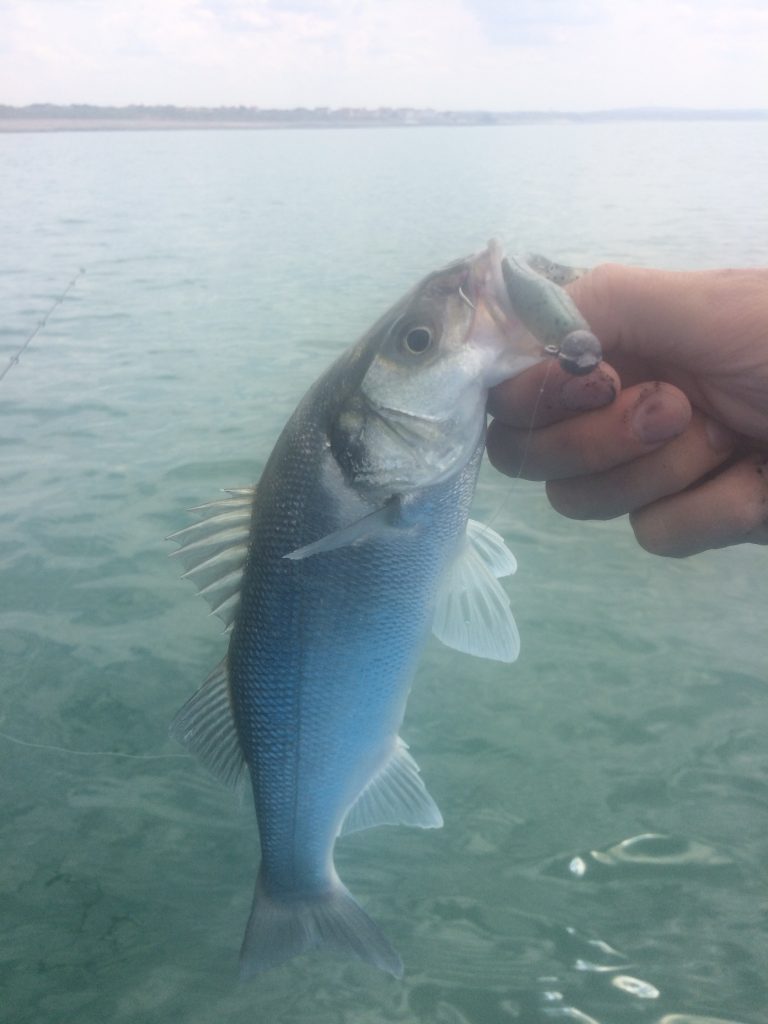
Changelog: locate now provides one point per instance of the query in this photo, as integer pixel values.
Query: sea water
(605, 799)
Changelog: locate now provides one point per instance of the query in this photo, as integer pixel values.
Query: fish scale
(355, 542)
(356, 680)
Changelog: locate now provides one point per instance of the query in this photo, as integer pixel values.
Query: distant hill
(84, 116)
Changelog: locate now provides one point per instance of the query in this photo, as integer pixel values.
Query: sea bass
(355, 543)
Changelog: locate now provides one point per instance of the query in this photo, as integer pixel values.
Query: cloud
(462, 54)
(532, 22)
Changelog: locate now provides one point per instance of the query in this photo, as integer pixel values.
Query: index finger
(547, 393)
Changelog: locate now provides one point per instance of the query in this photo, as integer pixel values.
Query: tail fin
(279, 929)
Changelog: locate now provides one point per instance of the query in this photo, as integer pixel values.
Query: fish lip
(479, 277)
(484, 276)
(484, 286)
(489, 294)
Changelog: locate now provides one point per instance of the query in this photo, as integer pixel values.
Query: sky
(445, 54)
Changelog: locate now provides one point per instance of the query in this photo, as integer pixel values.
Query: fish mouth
(495, 327)
(485, 282)
(513, 294)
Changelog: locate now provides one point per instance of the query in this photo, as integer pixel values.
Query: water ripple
(648, 853)
(694, 1018)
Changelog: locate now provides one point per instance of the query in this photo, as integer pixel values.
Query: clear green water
(224, 271)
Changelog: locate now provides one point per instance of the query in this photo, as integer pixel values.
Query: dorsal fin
(213, 550)
(206, 726)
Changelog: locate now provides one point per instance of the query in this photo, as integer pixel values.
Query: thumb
(648, 319)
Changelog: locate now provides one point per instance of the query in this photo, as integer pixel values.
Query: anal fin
(395, 796)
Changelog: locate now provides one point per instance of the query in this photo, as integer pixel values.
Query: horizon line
(372, 108)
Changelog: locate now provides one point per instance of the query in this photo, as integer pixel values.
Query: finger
(547, 393)
(731, 508)
(669, 469)
(641, 419)
(634, 311)
(686, 327)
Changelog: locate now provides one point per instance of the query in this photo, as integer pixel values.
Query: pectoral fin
(369, 526)
(472, 612)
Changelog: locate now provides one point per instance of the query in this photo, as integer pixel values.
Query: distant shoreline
(74, 124)
(45, 117)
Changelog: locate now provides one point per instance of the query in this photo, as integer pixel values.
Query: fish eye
(418, 340)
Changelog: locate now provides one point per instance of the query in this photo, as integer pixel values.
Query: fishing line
(531, 428)
(13, 361)
(41, 324)
(526, 445)
(90, 753)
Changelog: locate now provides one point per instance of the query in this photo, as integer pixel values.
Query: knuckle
(500, 448)
(566, 499)
(657, 544)
(652, 534)
(749, 517)
(512, 452)
(605, 277)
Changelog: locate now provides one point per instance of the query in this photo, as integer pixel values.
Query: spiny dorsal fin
(395, 796)
(206, 727)
(472, 612)
(213, 550)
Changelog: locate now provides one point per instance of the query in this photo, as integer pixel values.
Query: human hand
(673, 429)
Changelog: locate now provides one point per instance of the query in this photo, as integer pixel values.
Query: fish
(331, 572)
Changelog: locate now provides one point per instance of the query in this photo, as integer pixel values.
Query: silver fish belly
(355, 543)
